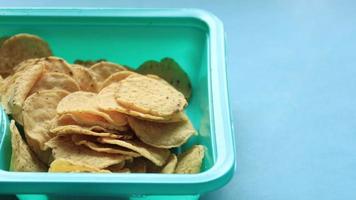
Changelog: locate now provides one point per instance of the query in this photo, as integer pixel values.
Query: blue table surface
(292, 77)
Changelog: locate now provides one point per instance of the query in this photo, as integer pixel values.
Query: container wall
(129, 41)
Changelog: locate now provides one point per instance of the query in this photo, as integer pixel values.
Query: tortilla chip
(5, 91)
(84, 78)
(20, 90)
(170, 165)
(39, 112)
(117, 77)
(64, 165)
(63, 147)
(21, 47)
(148, 95)
(69, 119)
(50, 64)
(190, 161)
(103, 70)
(86, 102)
(55, 80)
(74, 129)
(106, 102)
(156, 155)
(89, 142)
(88, 120)
(162, 135)
(170, 71)
(22, 158)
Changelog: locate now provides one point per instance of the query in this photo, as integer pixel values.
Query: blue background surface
(292, 77)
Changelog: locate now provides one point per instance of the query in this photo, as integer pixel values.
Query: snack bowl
(194, 38)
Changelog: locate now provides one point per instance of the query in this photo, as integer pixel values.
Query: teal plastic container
(194, 38)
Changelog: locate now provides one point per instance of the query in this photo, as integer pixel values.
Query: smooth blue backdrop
(292, 76)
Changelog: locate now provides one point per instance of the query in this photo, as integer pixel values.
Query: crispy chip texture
(162, 135)
(156, 155)
(63, 147)
(39, 112)
(55, 80)
(117, 77)
(75, 129)
(85, 119)
(100, 147)
(50, 64)
(94, 116)
(190, 161)
(21, 47)
(86, 102)
(22, 158)
(149, 95)
(20, 90)
(103, 70)
(84, 78)
(106, 102)
(170, 165)
(68, 119)
(170, 71)
(64, 165)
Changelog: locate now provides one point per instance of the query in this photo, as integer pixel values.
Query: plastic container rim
(225, 154)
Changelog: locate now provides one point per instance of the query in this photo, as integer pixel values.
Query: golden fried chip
(39, 112)
(55, 80)
(156, 155)
(84, 78)
(20, 90)
(170, 71)
(170, 165)
(106, 102)
(162, 135)
(22, 158)
(89, 120)
(8, 85)
(100, 147)
(69, 119)
(190, 161)
(86, 102)
(148, 95)
(21, 47)
(74, 129)
(115, 78)
(50, 64)
(103, 70)
(63, 147)
(64, 165)
(5, 92)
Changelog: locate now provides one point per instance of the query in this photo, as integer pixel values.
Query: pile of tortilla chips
(98, 118)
